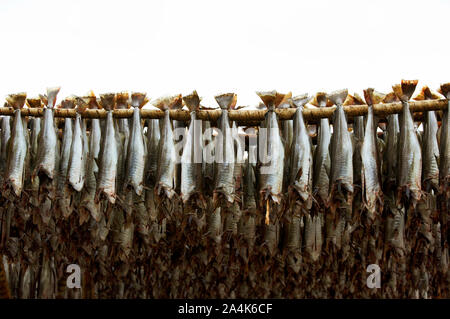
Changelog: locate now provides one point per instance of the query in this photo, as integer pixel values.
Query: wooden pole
(247, 116)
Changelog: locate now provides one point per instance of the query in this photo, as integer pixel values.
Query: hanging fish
(137, 149)
(64, 200)
(191, 160)
(430, 147)
(272, 159)
(341, 151)
(17, 147)
(287, 134)
(410, 156)
(301, 158)
(322, 163)
(153, 138)
(358, 138)
(392, 141)
(35, 123)
(370, 170)
(444, 146)
(5, 127)
(48, 152)
(106, 184)
(77, 162)
(224, 152)
(166, 150)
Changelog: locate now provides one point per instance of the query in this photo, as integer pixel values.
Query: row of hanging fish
(247, 212)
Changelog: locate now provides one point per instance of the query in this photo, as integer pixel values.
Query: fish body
(322, 162)
(271, 172)
(370, 173)
(444, 144)
(341, 175)
(191, 160)
(109, 155)
(301, 160)
(137, 149)
(48, 152)
(5, 126)
(17, 147)
(224, 151)
(77, 163)
(153, 138)
(409, 152)
(166, 150)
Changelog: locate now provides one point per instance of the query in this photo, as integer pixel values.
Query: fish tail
(122, 100)
(17, 101)
(354, 99)
(373, 97)
(300, 100)
(405, 89)
(108, 101)
(139, 99)
(321, 100)
(227, 101)
(445, 90)
(51, 96)
(69, 103)
(34, 103)
(192, 101)
(338, 97)
(169, 102)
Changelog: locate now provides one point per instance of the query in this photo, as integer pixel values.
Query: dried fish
(166, 150)
(224, 152)
(341, 151)
(137, 149)
(409, 152)
(191, 160)
(322, 162)
(106, 184)
(17, 147)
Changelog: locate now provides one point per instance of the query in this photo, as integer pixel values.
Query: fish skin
(322, 161)
(153, 138)
(370, 175)
(137, 148)
(341, 149)
(270, 183)
(301, 157)
(191, 166)
(224, 152)
(109, 154)
(48, 152)
(409, 151)
(62, 187)
(287, 134)
(77, 168)
(5, 123)
(166, 150)
(430, 146)
(444, 145)
(17, 147)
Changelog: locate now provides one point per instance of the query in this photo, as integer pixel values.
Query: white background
(169, 47)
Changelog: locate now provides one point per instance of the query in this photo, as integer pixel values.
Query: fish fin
(34, 103)
(300, 100)
(390, 98)
(122, 100)
(17, 101)
(108, 101)
(405, 89)
(226, 101)
(445, 90)
(273, 99)
(169, 102)
(321, 100)
(192, 101)
(338, 97)
(426, 94)
(353, 100)
(51, 96)
(138, 99)
(69, 102)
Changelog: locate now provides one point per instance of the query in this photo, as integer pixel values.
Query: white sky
(169, 47)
